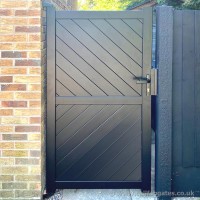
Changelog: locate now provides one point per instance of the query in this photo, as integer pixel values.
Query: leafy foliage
(123, 4)
(104, 4)
(190, 4)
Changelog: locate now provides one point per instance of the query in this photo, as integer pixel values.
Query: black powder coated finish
(99, 118)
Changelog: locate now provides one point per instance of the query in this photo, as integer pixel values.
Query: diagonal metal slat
(77, 123)
(90, 141)
(118, 40)
(97, 64)
(77, 75)
(128, 33)
(107, 44)
(85, 131)
(124, 72)
(99, 80)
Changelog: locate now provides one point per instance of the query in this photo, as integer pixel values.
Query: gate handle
(143, 80)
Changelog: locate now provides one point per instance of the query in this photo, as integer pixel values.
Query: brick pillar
(20, 99)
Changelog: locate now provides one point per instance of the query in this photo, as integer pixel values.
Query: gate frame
(51, 184)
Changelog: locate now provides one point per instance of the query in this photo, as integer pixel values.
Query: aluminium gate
(99, 99)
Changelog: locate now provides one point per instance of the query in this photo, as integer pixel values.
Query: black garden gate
(99, 86)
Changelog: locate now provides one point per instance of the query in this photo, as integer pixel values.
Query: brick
(35, 153)
(26, 13)
(35, 104)
(35, 38)
(6, 63)
(13, 54)
(6, 29)
(35, 170)
(25, 46)
(14, 136)
(27, 178)
(13, 87)
(6, 145)
(27, 128)
(15, 104)
(34, 21)
(14, 170)
(27, 145)
(27, 161)
(27, 193)
(13, 4)
(34, 54)
(35, 70)
(6, 79)
(15, 153)
(34, 87)
(34, 4)
(14, 21)
(28, 29)
(14, 120)
(27, 112)
(6, 95)
(35, 120)
(14, 185)
(27, 62)
(27, 79)
(6, 129)
(34, 186)
(6, 12)
(27, 95)
(6, 178)
(7, 161)
(6, 112)
(13, 71)
(6, 193)
(34, 137)
(7, 46)
(13, 38)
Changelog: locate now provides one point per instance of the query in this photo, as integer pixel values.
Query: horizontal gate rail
(99, 15)
(113, 100)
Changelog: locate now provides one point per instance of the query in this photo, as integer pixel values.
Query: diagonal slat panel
(135, 25)
(135, 175)
(119, 40)
(130, 34)
(69, 116)
(117, 161)
(61, 110)
(127, 168)
(107, 44)
(80, 78)
(114, 149)
(86, 68)
(125, 72)
(85, 131)
(69, 130)
(92, 60)
(62, 90)
(90, 141)
(70, 84)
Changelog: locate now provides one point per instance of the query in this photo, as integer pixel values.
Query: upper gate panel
(99, 56)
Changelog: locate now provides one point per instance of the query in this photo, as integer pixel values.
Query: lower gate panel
(98, 143)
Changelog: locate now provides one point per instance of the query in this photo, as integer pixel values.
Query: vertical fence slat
(197, 88)
(188, 107)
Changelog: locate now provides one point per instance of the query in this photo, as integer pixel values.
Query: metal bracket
(154, 81)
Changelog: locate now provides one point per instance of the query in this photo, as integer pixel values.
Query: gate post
(164, 102)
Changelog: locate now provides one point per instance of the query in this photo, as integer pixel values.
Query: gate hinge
(154, 81)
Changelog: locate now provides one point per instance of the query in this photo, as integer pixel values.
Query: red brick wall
(20, 99)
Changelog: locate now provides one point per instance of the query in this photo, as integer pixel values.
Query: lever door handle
(143, 80)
